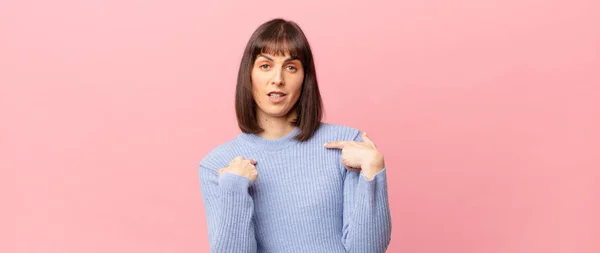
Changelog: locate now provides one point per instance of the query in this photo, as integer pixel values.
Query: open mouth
(276, 96)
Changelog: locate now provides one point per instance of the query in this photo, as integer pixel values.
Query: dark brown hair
(278, 37)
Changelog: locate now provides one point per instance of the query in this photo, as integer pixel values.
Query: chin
(276, 113)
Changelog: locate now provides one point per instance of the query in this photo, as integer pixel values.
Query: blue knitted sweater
(304, 200)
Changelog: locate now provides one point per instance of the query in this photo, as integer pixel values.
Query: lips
(276, 96)
(276, 93)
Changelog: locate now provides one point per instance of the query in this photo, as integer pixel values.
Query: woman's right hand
(242, 167)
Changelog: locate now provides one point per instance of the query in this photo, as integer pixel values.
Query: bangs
(280, 40)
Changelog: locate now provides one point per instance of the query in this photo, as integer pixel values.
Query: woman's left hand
(359, 156)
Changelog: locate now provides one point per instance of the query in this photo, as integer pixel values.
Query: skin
(286, 74)
(276, 73)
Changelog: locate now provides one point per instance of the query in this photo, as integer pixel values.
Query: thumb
(367, 140)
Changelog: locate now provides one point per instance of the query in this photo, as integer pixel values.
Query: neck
(275, 127)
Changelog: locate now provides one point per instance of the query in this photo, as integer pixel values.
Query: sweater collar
(258, 142)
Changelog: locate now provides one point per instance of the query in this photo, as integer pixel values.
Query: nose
(277, 78)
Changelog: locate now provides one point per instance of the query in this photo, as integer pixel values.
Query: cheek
(296, 84)
(256, 87)
(257, 98)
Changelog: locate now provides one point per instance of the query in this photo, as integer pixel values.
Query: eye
(292, 68)
(264, 66)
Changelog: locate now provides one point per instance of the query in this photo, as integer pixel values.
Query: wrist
(371, 170)
(376, 164)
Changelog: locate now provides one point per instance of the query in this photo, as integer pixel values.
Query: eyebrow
(286, 60)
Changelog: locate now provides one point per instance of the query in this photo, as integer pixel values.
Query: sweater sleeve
(229, 209)
(367, 219)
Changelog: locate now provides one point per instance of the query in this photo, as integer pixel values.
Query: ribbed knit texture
(304, 200)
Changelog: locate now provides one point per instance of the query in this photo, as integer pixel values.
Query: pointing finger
(336, 144)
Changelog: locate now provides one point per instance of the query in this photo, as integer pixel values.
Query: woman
(276, 187)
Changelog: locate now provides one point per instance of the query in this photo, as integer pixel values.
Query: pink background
(488, 113)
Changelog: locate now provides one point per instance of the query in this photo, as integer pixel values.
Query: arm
(367, 220)
(229, 209)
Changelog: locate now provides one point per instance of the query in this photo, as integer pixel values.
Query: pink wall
(487, 111)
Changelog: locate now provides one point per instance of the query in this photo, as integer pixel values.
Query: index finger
(336, 144)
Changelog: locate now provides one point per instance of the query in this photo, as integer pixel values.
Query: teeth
(275, 95)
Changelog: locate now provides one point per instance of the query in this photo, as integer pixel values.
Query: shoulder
(218, 157)
(340, 132)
